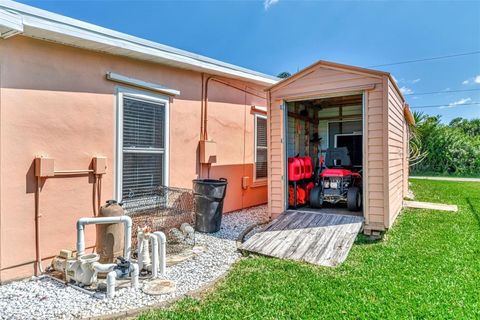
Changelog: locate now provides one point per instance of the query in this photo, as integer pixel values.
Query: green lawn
(444, 174)
(427, 267)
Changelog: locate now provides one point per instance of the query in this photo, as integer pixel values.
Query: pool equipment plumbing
(84, 269)
(152, 260)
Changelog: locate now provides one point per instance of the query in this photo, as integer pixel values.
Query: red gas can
(302, 167)
(295, 169)
(308, 165)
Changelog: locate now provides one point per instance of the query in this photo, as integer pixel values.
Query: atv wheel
(354, 199)
(316, 199)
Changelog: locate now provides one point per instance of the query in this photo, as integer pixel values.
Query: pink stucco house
(69, 91)
(89, 114)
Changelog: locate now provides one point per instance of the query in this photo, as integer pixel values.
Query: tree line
(440, 148)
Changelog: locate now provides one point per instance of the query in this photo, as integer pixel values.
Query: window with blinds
(143, 146)
(260, 147)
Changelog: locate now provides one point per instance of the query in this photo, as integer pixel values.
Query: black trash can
(209, 195)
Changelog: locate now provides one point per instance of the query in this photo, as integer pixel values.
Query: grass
(445, 174)
(427, 267)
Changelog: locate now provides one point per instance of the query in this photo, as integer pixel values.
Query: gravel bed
(255, 230)
(47, 299)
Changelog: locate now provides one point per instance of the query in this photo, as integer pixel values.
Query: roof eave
(49, 26)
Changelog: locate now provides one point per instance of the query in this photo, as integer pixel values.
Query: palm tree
(284, 75)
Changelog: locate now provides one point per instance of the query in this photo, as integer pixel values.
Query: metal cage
(163, 209)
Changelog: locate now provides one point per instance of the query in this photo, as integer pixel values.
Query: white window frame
(146, 96)
(255, 149)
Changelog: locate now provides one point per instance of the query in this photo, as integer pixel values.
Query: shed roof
(17, 18)
(335, 65)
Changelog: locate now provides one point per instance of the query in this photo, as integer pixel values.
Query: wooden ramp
(314, 237)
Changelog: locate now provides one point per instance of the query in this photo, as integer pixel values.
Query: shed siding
(397, 153)
(275, 159)
(324, 79)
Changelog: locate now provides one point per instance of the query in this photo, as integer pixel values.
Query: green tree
(284, 75)
(452, 148)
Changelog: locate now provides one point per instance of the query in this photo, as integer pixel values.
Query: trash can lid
(220, 181)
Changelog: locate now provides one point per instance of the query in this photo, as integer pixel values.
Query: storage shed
(330, 105)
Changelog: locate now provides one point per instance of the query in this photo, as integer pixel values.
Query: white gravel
(48, 299)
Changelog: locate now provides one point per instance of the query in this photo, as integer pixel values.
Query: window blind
(143, 146)
(261, 147)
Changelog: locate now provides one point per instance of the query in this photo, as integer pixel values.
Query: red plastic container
(308, 188)
(308, 167)
(295, 169)
(302, 167)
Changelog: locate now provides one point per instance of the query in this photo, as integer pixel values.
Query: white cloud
(466, 82)
(457, 103)
(406, 90)
(477, 79)
(407, 81)
(447, 89)
(268, 3)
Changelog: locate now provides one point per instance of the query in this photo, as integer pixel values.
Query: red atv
(338, 183)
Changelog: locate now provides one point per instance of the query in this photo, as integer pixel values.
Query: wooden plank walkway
(314, 237)
(430, 205)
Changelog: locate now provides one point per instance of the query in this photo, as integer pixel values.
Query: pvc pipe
(100, 267)
(127, 222)
(140, 249)
(68, 284)
(155, 262)
(111, 276)
(111, 279)
(134, 274)
(162, 251)
(147, 262)
(143, 259)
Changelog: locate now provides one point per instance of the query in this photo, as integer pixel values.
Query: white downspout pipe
(127, 222)
(162, 251)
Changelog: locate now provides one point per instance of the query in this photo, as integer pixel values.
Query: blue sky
(279, 35)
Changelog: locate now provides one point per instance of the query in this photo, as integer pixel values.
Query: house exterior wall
(55, 101)
(397, 153)
(324, 80)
